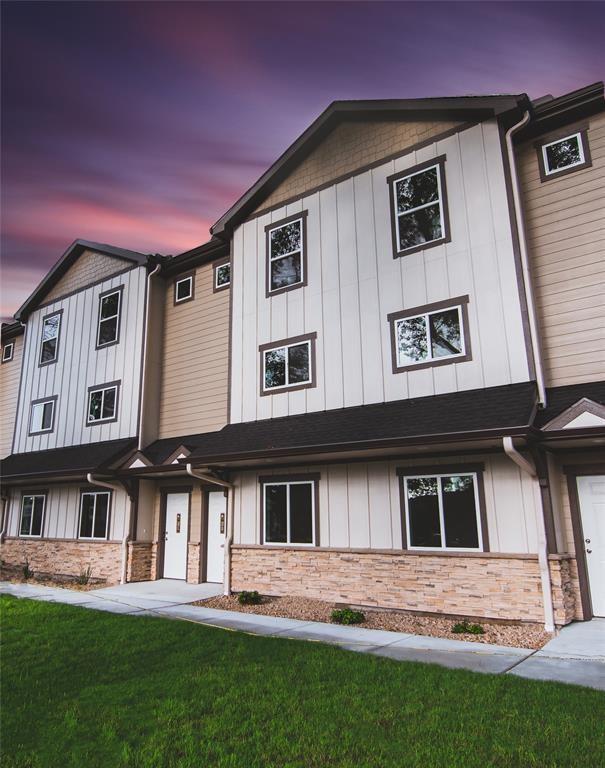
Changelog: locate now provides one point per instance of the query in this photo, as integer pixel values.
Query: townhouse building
(381, 382)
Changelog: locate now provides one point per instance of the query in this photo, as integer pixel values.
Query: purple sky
(139, 124)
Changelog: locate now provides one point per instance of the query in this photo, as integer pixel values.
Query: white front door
(591, 492)
(217, 520)
(175, 535)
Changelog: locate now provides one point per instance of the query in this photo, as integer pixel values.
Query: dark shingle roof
(559, 399)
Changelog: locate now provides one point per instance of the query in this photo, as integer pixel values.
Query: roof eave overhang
(556, 113)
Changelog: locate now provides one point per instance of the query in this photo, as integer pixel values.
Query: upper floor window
(94, 515)
(431, 335)
(103, 403)
(442, 511)
(290, 509)
(419, 216)
(42, 417)
(288, 364)
(32, 514)
(286, 254)
(49, 343)
(8, 351)
(184, 288)
(563, 154)
(108, 326)
(222, 276)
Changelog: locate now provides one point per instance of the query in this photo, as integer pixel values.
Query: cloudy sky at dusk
(138, 124)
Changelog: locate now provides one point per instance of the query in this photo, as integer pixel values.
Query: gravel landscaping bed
(305, 609)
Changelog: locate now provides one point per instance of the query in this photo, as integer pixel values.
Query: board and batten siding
(360, 504)
(80, 366)
(354, 283)
(195, 359)
(62, 512)
(10, 373)
(565, 223)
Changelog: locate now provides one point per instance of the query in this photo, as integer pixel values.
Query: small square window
(32, 515)
(183, 289)
(94, 515)
(286, 254)
(42, 416)
(103, 403)
(288, 364)
(563, 155)
(289, 511)
(222, 276)
(108, 325)
(49, 342)
(7, 352)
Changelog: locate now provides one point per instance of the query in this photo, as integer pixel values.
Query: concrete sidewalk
(576, 655)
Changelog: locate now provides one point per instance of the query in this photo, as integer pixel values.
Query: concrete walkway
(576, 655)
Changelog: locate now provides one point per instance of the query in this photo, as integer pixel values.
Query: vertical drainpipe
(144, 385)
(127, 522)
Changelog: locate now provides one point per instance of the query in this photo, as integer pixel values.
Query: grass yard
(82, 688)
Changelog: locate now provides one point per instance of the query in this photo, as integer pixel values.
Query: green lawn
(82, 688)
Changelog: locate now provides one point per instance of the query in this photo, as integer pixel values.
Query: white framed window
(103, 403)
(288, 364)
(42, 417)
(108, 325)
(94, 514)
(8, 351)
(443, 511)
(567, 152)
(431, 335)
(289, 510)
(32, 514)
(286, 254)
(222, 276)
(419, 207)
(183, 289)
(49, 342)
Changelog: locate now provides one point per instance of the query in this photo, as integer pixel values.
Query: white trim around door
(591, 495)
(215, 549)
(176, 535)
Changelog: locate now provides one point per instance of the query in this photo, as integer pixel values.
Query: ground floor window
(94, 514)
(32, 515)
(289, 510)
(442, 511)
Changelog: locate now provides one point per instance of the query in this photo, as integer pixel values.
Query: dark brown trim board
(310, 337)
(52, 398)
(455, 302)
(85, 287)
(216, 265)
(60, 330)
(97, 388)
(302, 217)
(118, 289)
(477, 468)
(313, 477)
(582, 130)
(94, 489)
(179, 279)
(392, 179)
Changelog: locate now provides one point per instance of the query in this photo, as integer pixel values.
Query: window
(290, 509)
(32, 514)
(183, 288)
(432, 335)
(286, 254)
(563, 154)
(419, 207)
(94, 514)
(42, 416)
(442, 511)
(288, 364)
(49, 343)
(7, 352)
(108, 330)
(103, 403)
(222, 276)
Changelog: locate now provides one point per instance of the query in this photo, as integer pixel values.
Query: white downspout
(230, 505)
(528, 467)
(144, 386)
(126, 537)
(527, 283)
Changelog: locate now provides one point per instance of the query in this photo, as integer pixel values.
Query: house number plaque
(178, 523)
(222, 522)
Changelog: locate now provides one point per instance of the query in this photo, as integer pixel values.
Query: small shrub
(27, 571)
(347, 616)
(464, 628)
(84, 576)
(249, 598)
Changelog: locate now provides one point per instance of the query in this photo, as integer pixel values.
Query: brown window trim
(118, 289)
(92, 489)
(10, 344)
(178, 279)
(313, 477)
(440, 163)
(98, 388)
(444, 469)
(36, 492)
(54, 399)
(215, 266)
(56, 357)
(310, 337)
(456, 301)
(558, 135)
(303, 256)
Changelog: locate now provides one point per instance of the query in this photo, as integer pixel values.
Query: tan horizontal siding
(565, 223)
(195, 360)
(9, 393)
